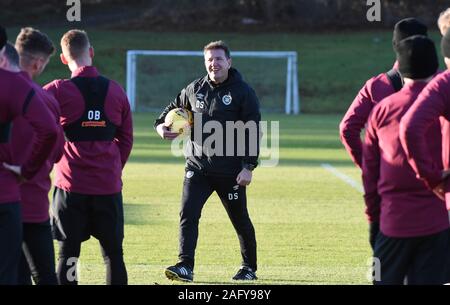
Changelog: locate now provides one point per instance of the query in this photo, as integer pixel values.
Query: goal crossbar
(292, 101)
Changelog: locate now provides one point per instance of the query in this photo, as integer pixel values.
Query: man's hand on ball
(165, 133)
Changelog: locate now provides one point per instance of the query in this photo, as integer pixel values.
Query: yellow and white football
(179, 120)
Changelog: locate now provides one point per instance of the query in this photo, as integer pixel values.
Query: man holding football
(220, 97)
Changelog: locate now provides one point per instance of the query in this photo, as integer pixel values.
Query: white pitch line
(357, 186)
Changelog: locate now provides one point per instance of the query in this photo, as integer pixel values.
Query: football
(179, 120)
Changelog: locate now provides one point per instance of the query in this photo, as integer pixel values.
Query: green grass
(332, 67)
(310, 226)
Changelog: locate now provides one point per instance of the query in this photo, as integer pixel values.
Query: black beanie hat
(408, 27)
(417, 58)
(445, 44)
(3, 37)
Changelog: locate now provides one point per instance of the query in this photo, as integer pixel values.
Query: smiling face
(217, 65)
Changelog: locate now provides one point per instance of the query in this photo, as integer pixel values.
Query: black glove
(374, 228)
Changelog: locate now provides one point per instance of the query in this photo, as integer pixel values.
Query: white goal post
(292, 102)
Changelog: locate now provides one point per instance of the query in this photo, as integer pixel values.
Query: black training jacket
(231, 101)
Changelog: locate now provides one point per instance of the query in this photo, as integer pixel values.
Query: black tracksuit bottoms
(423, 259)
(38, 255)
(10, 242)
(197, 188)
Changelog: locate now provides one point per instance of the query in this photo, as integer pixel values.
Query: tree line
(268, 15)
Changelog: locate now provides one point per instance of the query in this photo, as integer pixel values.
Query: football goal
(154, 78)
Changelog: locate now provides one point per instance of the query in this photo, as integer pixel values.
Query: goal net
(154, 78)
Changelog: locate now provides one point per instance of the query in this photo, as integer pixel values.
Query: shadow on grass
(303, 162)
(145, 214)
(298, 142)
(265, 281)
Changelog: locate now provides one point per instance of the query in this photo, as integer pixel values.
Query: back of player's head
(408, 27)
(445, 44)
(444, 21)
(32, 43)
(11, 55)
(218, 45)
(3, 37)
(417, 57)
(75, 44)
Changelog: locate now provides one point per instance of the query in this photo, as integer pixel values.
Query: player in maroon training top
(375, 89)
(414, 224)
(18, 98)
(96, 118)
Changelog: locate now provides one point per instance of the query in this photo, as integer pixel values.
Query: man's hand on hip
(16, 169)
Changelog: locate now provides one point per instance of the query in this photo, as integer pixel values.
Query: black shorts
(422, 259)
(77, 217)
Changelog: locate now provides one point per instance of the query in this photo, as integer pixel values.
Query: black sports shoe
(180, 272)
(245, 274)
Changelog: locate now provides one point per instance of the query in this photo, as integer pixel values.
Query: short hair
(444, 20)
(75, 43)
(218, 45)
(34, 42)
(11, 55)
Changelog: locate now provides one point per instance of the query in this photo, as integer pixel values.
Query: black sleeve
(181, 101)
(251, 113)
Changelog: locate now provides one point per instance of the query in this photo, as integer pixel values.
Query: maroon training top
(34, 193)
(92, 167)
(433, 102)
(14, 90)
(354, 121)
